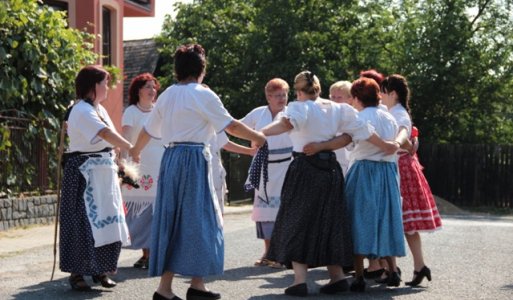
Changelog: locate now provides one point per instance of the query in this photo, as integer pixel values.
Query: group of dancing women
(342, 180)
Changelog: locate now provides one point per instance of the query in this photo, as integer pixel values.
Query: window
(57, 5)
(106, 37)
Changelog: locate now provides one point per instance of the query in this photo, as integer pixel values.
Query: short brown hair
(86, 80)
(366, 90)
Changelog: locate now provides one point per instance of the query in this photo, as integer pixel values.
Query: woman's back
(187, 113)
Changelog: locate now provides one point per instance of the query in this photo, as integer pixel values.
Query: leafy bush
(39, 59)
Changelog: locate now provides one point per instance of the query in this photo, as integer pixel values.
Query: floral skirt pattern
(420, 213)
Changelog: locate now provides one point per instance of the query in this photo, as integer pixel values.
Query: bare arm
(236, 148)
(126, 132)
(241, 130)
(403, 139)
(277, 127)
(333, 144)
(114, 138)
(141, 142)
(389, 147)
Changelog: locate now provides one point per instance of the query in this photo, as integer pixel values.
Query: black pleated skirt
(312, 226)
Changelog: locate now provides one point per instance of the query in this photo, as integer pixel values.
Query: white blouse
(260, 117)
(401, 116)
(385, 127)
(187, 113)
(84, 124)
(135, 118)
(321, 120)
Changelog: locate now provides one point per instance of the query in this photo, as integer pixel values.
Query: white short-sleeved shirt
(84, 124)
(187, 113)
(260, 117)
(321, 120)
(135, 118)
(219, 141)
(402, 117)
(385, 127)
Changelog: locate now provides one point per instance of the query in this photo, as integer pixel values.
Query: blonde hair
(344, 86)
(308, 83)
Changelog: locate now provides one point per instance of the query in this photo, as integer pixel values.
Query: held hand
(253, 151)
(408, 146)
(391, 147)
(260, 140)
(136, 155)
(312, 148)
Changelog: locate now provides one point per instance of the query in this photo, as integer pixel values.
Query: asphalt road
(470, 258)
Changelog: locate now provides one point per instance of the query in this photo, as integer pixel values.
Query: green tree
(457, 54)
(39, 59)
(458, 58)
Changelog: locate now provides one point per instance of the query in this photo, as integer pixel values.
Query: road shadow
(280, 279)
(58, 289)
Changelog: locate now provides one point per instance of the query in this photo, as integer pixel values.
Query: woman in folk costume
(267, 196)
(340, 92)
(139, 202)
(221, 141)
(372, 189)
(420, 213)
(92, 220)
(187, 232)
(312, 226)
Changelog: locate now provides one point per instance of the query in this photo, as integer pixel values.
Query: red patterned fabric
(414, 132)
(420, 213)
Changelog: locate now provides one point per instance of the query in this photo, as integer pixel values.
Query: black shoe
(384, 280)
(299, 290)
(419, 276)
(394, 279)
(358, 285)
(194, 294)
(348, 269)
(142, 263)
(157, 296)
(336, 287)
(105, 281)
(77, 283)
(373, 274)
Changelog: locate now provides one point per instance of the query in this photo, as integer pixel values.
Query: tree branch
(480, 11)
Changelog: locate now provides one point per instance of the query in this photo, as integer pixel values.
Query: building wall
(89, 18)
(86, 15)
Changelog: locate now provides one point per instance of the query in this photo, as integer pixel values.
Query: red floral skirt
(419, 208)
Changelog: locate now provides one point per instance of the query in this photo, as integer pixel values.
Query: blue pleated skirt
(374, 201)
(186, 238)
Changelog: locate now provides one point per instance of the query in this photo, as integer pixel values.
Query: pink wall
(88, 17)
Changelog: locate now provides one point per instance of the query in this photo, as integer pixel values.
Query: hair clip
(309, 77)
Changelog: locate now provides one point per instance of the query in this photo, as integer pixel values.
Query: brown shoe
(77, 283)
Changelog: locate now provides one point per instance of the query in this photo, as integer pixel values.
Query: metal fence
(470, 175)
(465, 175)
(25, 165)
